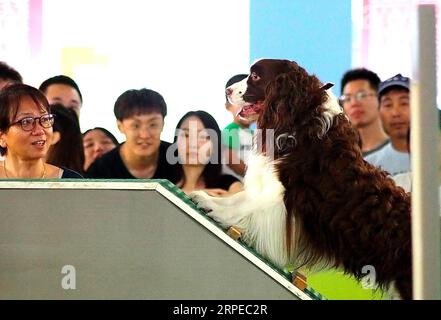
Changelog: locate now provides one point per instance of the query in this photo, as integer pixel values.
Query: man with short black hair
(140, 117)
(8, 75)
(359, 101)
(63, 90)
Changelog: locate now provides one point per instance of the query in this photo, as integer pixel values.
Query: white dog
(258, 211)
(313, 200)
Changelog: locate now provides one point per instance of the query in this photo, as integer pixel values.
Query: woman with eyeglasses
(26, 135)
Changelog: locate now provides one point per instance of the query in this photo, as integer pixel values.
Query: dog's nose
(229, 91)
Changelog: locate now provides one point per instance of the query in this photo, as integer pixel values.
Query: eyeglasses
(28, 123)
(359, 96)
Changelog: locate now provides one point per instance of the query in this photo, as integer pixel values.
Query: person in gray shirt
(393, 96)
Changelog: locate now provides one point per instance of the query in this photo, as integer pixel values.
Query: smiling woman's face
(27, 145)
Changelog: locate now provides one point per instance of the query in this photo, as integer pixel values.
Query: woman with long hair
(198, 149)
(97, 142)
(67, 144)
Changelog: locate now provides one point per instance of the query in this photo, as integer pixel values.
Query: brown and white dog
(314, 201)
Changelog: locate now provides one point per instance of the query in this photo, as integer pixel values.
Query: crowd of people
(380, 111)
(40, 135)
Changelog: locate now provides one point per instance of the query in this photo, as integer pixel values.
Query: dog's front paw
(208, 204)
(202, 200)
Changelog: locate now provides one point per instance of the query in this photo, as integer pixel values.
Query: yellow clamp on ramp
(234, 232)
(299, 280)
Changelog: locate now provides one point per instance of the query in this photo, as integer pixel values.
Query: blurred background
(187, 50)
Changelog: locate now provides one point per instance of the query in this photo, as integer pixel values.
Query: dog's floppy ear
(294, 104)
(278, 94)
(285, 99)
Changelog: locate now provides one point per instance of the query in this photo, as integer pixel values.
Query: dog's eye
(254, 77)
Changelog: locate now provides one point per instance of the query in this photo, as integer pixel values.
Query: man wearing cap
(393, 96)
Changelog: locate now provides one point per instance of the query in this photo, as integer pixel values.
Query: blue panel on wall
(316, 34)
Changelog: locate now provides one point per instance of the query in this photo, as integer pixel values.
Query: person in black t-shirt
(140, 117)
(198, 149)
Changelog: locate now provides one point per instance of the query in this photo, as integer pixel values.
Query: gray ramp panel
(121, 240)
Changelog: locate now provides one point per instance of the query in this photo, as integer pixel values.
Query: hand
(216, 192)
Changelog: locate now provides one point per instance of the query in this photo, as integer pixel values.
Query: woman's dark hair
(135, 102)
(106, 132)
(213, 169)
(68, 152)
(10, 99)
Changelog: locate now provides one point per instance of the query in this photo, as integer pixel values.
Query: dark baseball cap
(397, 81)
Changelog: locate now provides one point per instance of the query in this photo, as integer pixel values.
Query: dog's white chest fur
(262, 179)
(259, 210)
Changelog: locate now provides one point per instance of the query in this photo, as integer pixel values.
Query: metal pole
(425, 158)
